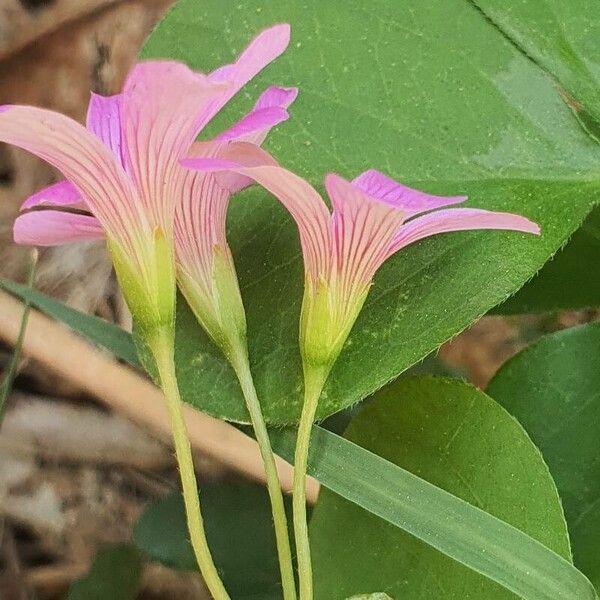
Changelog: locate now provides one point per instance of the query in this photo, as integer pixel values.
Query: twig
(55, 347)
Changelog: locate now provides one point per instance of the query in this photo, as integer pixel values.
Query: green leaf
(461, 440)
(566, 282)
(553, 388)
(114, 575)
(375, 596)
(398, 496)
(106, 335)
(430, 92)
(240, 534)
(562, 37)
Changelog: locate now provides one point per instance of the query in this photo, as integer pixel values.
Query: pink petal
(62, 193)
(254, 124)
(268, 111)
(231, 155)
(363, 229)
(459, 219)
(83, 160)
(54, 228)
(200, 227)
(301, 200)
(160, 108)
(263, 49)
(104, 120)
(200, 216)
(412, 202)
(276, 96)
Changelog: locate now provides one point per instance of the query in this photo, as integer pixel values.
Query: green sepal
(148, 285)
(325, 322)
(220, 311)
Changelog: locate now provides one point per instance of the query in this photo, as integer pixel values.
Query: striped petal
(269, 110)
(255, 125)
(54, 228)
(301, 200)
(459, 219)
(412, 202)
(363, 229)
(200, 226)
(104, 120)
(63, 193)
(83, 160)
(160, 108)
(230, 154)
(262, 50)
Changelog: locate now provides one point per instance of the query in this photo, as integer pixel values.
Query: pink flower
(122, 176)
(205, 269)
(372, 218)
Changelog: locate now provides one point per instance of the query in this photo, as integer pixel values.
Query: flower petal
(83, 160)
(54, 228)
(263, 49)
(301, 200)
(160, 108)
(254, 125)
(104, 120)
(63, 193)
(412, 202)
(231, 154)
(363, 229)
(200, 226)
(276, 96)
(268, 111)
(459, 219)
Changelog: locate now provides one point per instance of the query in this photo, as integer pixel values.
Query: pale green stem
(239, 361)
(13, 364)
(162, 346)
(313, 385)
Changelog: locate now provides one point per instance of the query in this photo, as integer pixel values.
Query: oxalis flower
(123, 181)
(373, 217)
(205, 270)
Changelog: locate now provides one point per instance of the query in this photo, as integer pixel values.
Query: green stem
(13, 364)
(239, 360)
(162, 346)
(313, 385)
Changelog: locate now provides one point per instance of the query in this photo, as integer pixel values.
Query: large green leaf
(458, 438)
(553, 388)
(467, 534)
(562, 37)
(239, 530)
(566, 282)
(435, 95)
(114, 575)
